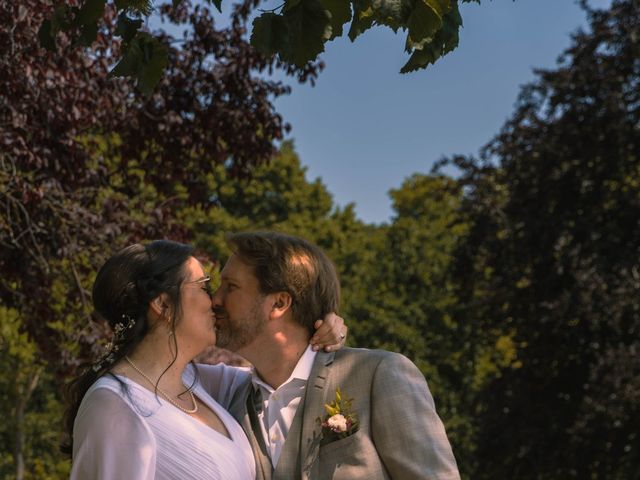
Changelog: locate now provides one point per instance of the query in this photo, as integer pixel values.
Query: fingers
(330, 333)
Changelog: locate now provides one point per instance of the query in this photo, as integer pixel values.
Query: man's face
(241, 309)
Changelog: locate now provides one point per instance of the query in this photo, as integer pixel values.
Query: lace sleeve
(110, 440)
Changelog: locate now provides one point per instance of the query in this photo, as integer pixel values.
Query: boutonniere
(340, 421)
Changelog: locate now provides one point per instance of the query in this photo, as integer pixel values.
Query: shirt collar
(300, 372)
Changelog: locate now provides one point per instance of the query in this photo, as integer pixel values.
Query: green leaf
(270, 34)
(88, 34)
(427, 51)
(127, 27)
(129, 63)
(90, 12)
(289, 4)
(50, 27)
(331, 410)
(87, 19)
(138, 7)
(297, 35)
(156, 59)
(420, 59)
(217, 4)
(340, 11)
(145, 59)
(424, 21)
(363, 17)
(309, 27)
(59, 19)
(441, 7)
(46, 36)
(392, 13)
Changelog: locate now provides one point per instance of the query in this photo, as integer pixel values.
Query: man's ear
(281, 304)
(160, 305)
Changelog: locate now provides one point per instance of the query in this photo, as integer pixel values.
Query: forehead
(193, 269)
(236, 269)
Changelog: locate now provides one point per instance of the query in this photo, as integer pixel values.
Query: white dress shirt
(279, 406)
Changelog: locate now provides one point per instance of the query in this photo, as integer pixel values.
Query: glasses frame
(206, 282)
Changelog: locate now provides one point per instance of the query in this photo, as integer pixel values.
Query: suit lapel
(316, 395)
(243, 410)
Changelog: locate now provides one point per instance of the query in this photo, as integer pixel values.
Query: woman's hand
(331, 333)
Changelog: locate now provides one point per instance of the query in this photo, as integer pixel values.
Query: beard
(236, 333)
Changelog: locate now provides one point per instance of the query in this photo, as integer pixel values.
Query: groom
(273, 287)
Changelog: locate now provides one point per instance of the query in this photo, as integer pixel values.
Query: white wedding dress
(142, 436)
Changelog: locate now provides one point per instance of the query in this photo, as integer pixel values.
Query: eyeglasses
(206, 286)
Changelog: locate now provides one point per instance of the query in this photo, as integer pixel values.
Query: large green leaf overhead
(296, 31)
(432, 27)
(297, 35)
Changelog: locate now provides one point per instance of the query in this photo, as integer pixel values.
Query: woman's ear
(160, 305)
(281, 304)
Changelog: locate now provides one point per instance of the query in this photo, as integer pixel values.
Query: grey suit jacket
(400, 434)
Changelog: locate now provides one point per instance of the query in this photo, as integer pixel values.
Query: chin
(221, 343)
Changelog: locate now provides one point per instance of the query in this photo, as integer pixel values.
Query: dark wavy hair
(125, 285)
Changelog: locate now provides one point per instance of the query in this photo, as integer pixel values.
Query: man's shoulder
(364, 368)
(368, 353)
(366, 356)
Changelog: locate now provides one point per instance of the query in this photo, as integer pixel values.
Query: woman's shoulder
(122, 390)
(107, 426)
(220, 381)
(108, 402)
(106, 383)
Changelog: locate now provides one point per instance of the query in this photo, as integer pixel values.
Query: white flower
(337, 423)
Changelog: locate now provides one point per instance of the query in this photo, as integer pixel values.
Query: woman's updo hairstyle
(130, 279)
(123, 289)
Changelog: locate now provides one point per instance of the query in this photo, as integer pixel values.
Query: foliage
(83, 168)
(548, 273)
(29, 403)
(514, 287)
(276, 196)
(296, 31)
(88, 166)
(405, 299)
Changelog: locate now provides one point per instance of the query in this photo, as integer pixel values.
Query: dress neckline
(205, 398)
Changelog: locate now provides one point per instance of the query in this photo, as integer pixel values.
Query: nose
(216, 298)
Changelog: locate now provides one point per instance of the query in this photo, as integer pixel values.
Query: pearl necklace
(164, 394)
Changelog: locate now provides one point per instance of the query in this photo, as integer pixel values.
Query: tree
(296, 31)
(25, 428)
(277, 196)
(74, 180)
(87, 166)
(550, 265)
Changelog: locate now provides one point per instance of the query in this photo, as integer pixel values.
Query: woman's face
(196, 328)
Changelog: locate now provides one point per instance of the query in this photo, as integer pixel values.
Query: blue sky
(365, 127)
